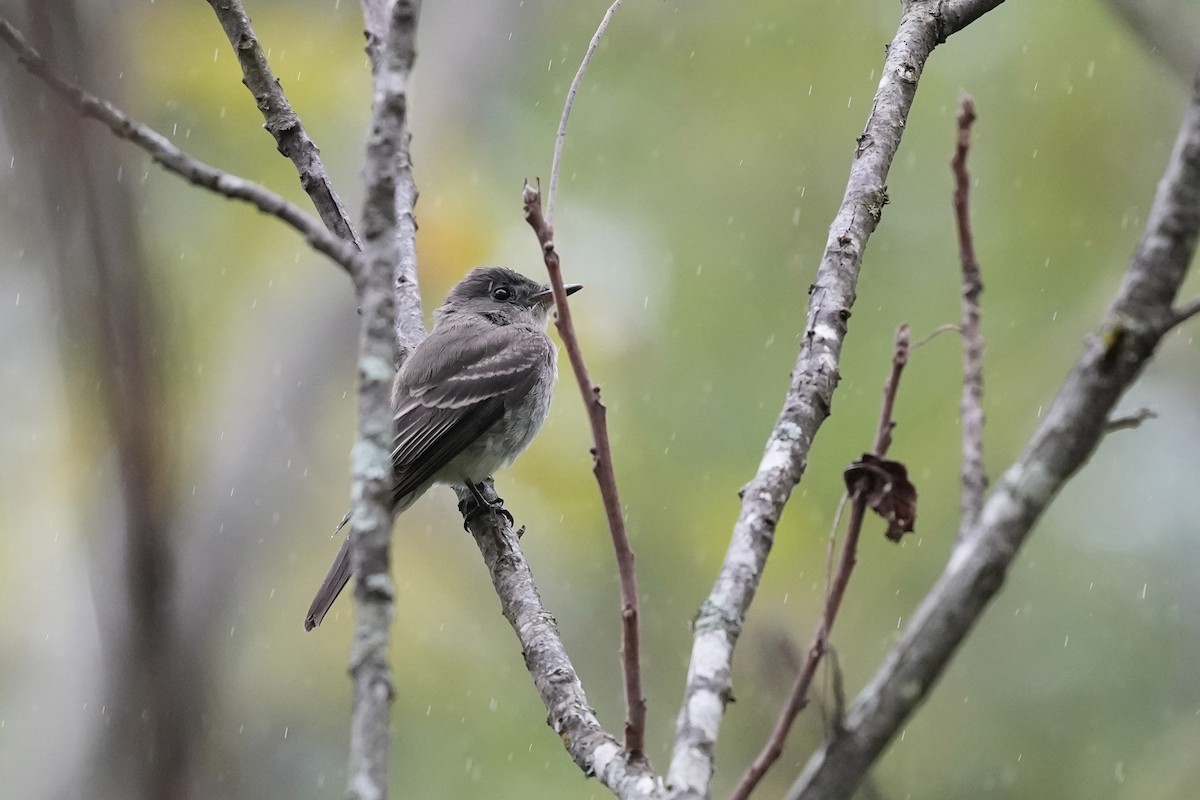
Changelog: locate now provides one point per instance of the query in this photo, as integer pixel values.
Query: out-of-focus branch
(709, 684)
(543, 228)
(281, 121)
(1187, 310)
(191, 169)
(974, 475)
(110, 340)
(1168, 29)
(1129, 421)
(595, 751)
(635, 703)
(392, 49)
(798, 697)
(1069, 431)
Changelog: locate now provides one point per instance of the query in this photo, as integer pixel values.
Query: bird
(469, 398)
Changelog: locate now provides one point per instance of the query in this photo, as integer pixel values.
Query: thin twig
(1186, 311)
(543, 227)
(191, 169)
(833, 668)
(1130, 421)
(281, 120)
(831, 543)
(923, 24)
(635, 703)
(1069, 431)
(974, 475)
(560, 137)
(392, 51)
(936, 332)
(836, 591)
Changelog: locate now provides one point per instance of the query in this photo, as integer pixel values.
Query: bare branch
(281, 121)
(561, 136)
(111, 337)
(635, 703)
(392, 51)
(798, 698)
(1130, 421)
(191, 169)
(1186, 311)
(595, 751)
(922, 26)
(974, 474)
(1068, 434)
(936, 332)
(410, 324)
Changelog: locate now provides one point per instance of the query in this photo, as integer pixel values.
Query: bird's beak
(547, 295)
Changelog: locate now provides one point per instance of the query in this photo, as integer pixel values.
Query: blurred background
(178, 408)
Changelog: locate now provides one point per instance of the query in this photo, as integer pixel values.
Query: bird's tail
(335, 580)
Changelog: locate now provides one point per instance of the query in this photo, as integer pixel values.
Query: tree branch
(798, 698)
(1130, 421)
(280, 120)
(191, 169)
(410, 323)
(1186, 311)
(1068, 434)
(974, 474)
(595, 751)
(392, 51)
(635, 703)
(807, 404)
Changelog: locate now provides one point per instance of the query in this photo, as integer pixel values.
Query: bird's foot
(478, 503)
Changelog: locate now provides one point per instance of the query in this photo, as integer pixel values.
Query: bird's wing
(442, 406)
(446, 403)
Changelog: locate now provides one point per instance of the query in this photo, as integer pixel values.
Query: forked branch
(280, 120)
(1069, 431)
(798, 697)
(188, 167)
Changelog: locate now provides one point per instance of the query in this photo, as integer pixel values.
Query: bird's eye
(501, 294)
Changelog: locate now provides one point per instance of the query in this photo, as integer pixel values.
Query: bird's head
(502, 295)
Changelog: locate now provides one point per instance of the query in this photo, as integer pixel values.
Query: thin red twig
(635, 720)
(798, 698)
(974, 476)
(543, 227)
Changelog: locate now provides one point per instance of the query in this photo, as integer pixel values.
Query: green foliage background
(707, 153)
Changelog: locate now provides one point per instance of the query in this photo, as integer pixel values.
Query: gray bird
(469, 398)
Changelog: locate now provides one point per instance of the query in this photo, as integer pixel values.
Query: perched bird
(468, 399)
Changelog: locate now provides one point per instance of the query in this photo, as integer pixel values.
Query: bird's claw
(479, 504)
